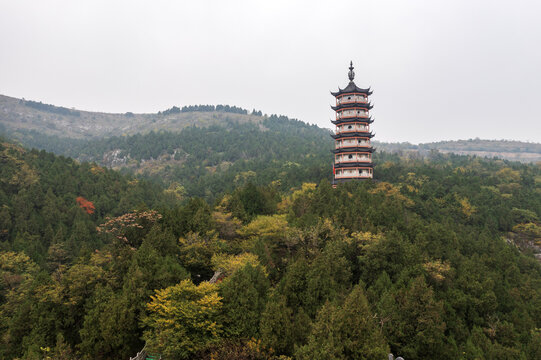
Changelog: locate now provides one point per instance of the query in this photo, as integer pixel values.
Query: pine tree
(244, 298)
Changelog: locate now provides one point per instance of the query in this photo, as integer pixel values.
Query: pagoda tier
(368, 135)
(352, 105)
(367, 120)
(353, 150)
(352, 173)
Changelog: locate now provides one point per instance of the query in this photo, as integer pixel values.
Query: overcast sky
(439, 69)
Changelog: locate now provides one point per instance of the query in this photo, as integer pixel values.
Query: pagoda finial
(351, 73)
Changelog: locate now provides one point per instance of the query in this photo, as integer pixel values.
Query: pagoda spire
(351, 73)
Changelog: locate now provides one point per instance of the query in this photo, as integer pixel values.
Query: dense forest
(433, 259)
(209, 161)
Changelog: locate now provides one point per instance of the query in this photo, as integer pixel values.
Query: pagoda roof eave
(353, 165)
(351, 88)
(353, 120)
(368, 149)
(353, 134)
(348, 179)
(352, 105)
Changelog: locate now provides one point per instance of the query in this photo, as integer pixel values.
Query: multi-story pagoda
(352, 151)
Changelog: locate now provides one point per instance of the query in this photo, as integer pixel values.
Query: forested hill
(60, 129)
(19, 115)
(46, 200)
(424, 263)
(503, 149)
(207, 161)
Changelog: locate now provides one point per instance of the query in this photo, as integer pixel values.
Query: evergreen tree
(345, 332)
(244, 297)
(277, 326)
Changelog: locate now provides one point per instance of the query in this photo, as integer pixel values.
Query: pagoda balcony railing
(347, 129)
(351, 99)
(350, 115)
(364, 176)
(360, 100)
(352, 160)
(346, 144)
(353, 173)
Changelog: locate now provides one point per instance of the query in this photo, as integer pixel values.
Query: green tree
(416, 329)
(110, 326)
(277, 326)
(329, 277)
(244, 296)
(349, 331)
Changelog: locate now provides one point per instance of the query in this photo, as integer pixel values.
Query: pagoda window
(349, 127)
(350, 156)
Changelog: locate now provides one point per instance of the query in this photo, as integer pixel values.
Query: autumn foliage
(85, 205)
(128, 227)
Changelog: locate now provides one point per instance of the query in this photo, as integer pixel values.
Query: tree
(130, 228)
(17, 274)
(329, 277)
(265, 237)
(416, 328)
(349, 331)
(252, 200)
(277, 326)
(195, 216)
(110, 326)
(183, 319)
(244, 297)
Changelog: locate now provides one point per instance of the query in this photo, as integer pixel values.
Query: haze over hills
(28, 122)
(503, 149)
(20, 115)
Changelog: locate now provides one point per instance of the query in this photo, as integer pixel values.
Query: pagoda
(352, 150)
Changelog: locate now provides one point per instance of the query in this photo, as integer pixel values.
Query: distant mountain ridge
(55, 128)
(503, 149)
(24, 115)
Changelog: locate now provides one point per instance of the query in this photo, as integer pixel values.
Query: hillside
(502, 149)
(18, 115)
(209, 150)
(424, 263)
(211, 160)
(207, 161)
(54, 128)
(44, 198)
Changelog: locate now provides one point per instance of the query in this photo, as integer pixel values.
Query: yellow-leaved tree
(229, 264)
(266, 236)
(183, 319)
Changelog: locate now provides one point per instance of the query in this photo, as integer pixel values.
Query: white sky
(439, 69)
